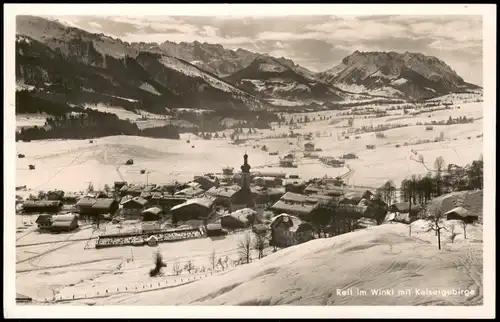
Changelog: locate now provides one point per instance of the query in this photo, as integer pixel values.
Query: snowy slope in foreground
(381, 257)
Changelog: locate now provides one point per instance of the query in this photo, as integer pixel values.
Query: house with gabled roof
(287, 230)
(196, 208)
(133, 208)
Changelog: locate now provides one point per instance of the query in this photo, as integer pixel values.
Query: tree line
(69, 122)
(440, 180)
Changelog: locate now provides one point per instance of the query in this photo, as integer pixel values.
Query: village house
(402, 210)
(267, 196)
(288, 161)
(44, 221)
(71, 198)
(462, 214)
(119, 184)
(349, 156)
(66, 222)
(190, 192)
(268, 182)
(214, 230)
(152, 214)
(42, 206)
(105, 206)
(287, 230)
(351, 198)
(166, 201)
(228, 171)
(133, 190)
(336, 191)
(55, 195)
(296, 186)
(298, 198)
(238, 219)
(133, 208)
(96, 206)
(147, 191)
(309, 147)
(223, 195)
(313, 198)
(97, 194)
(197, 208)
(206, 182)
(277, 175)
(84, 205)
(302, 209)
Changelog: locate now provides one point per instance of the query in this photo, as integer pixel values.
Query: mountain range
(72, 65)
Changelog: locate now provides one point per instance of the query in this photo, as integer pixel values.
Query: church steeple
(245, 174)
(245, 168)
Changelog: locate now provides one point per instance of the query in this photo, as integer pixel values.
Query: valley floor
(71, 164)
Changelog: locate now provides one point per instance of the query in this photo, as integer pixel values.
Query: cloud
(317, 42)
(95, 24)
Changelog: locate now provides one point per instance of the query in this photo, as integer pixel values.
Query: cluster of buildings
(218, 203)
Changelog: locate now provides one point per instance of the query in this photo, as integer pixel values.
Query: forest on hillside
(73, 122)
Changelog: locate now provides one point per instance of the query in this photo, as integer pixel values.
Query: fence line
(151, 286)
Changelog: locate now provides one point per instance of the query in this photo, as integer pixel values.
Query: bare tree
(54, 289)
(42, 195)
(409, 229)
(213, 259)
(439, 163)
(189, 267)
(220, 263)
(439, 166)
(245, 247)
(464, 225)
(176, 269)
(259, 244)
(435, 215)
(453, 233)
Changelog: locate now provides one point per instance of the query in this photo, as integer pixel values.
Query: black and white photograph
(221, 156)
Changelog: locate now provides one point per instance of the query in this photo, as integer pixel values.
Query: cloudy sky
(315, 42)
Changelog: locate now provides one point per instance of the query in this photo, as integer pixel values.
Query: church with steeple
(244, 198)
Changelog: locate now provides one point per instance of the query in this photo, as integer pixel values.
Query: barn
(66, 222)
(198, 208)
(42, 206)
(460, 213)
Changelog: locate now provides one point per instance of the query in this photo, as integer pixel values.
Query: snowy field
(164, 160)
(46, 263)
(378, 258)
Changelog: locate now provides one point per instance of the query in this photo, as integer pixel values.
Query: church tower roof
(245, 168)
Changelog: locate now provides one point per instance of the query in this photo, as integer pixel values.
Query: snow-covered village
(188, 173)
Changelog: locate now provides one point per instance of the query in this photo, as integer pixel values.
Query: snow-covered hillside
(383, 261)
